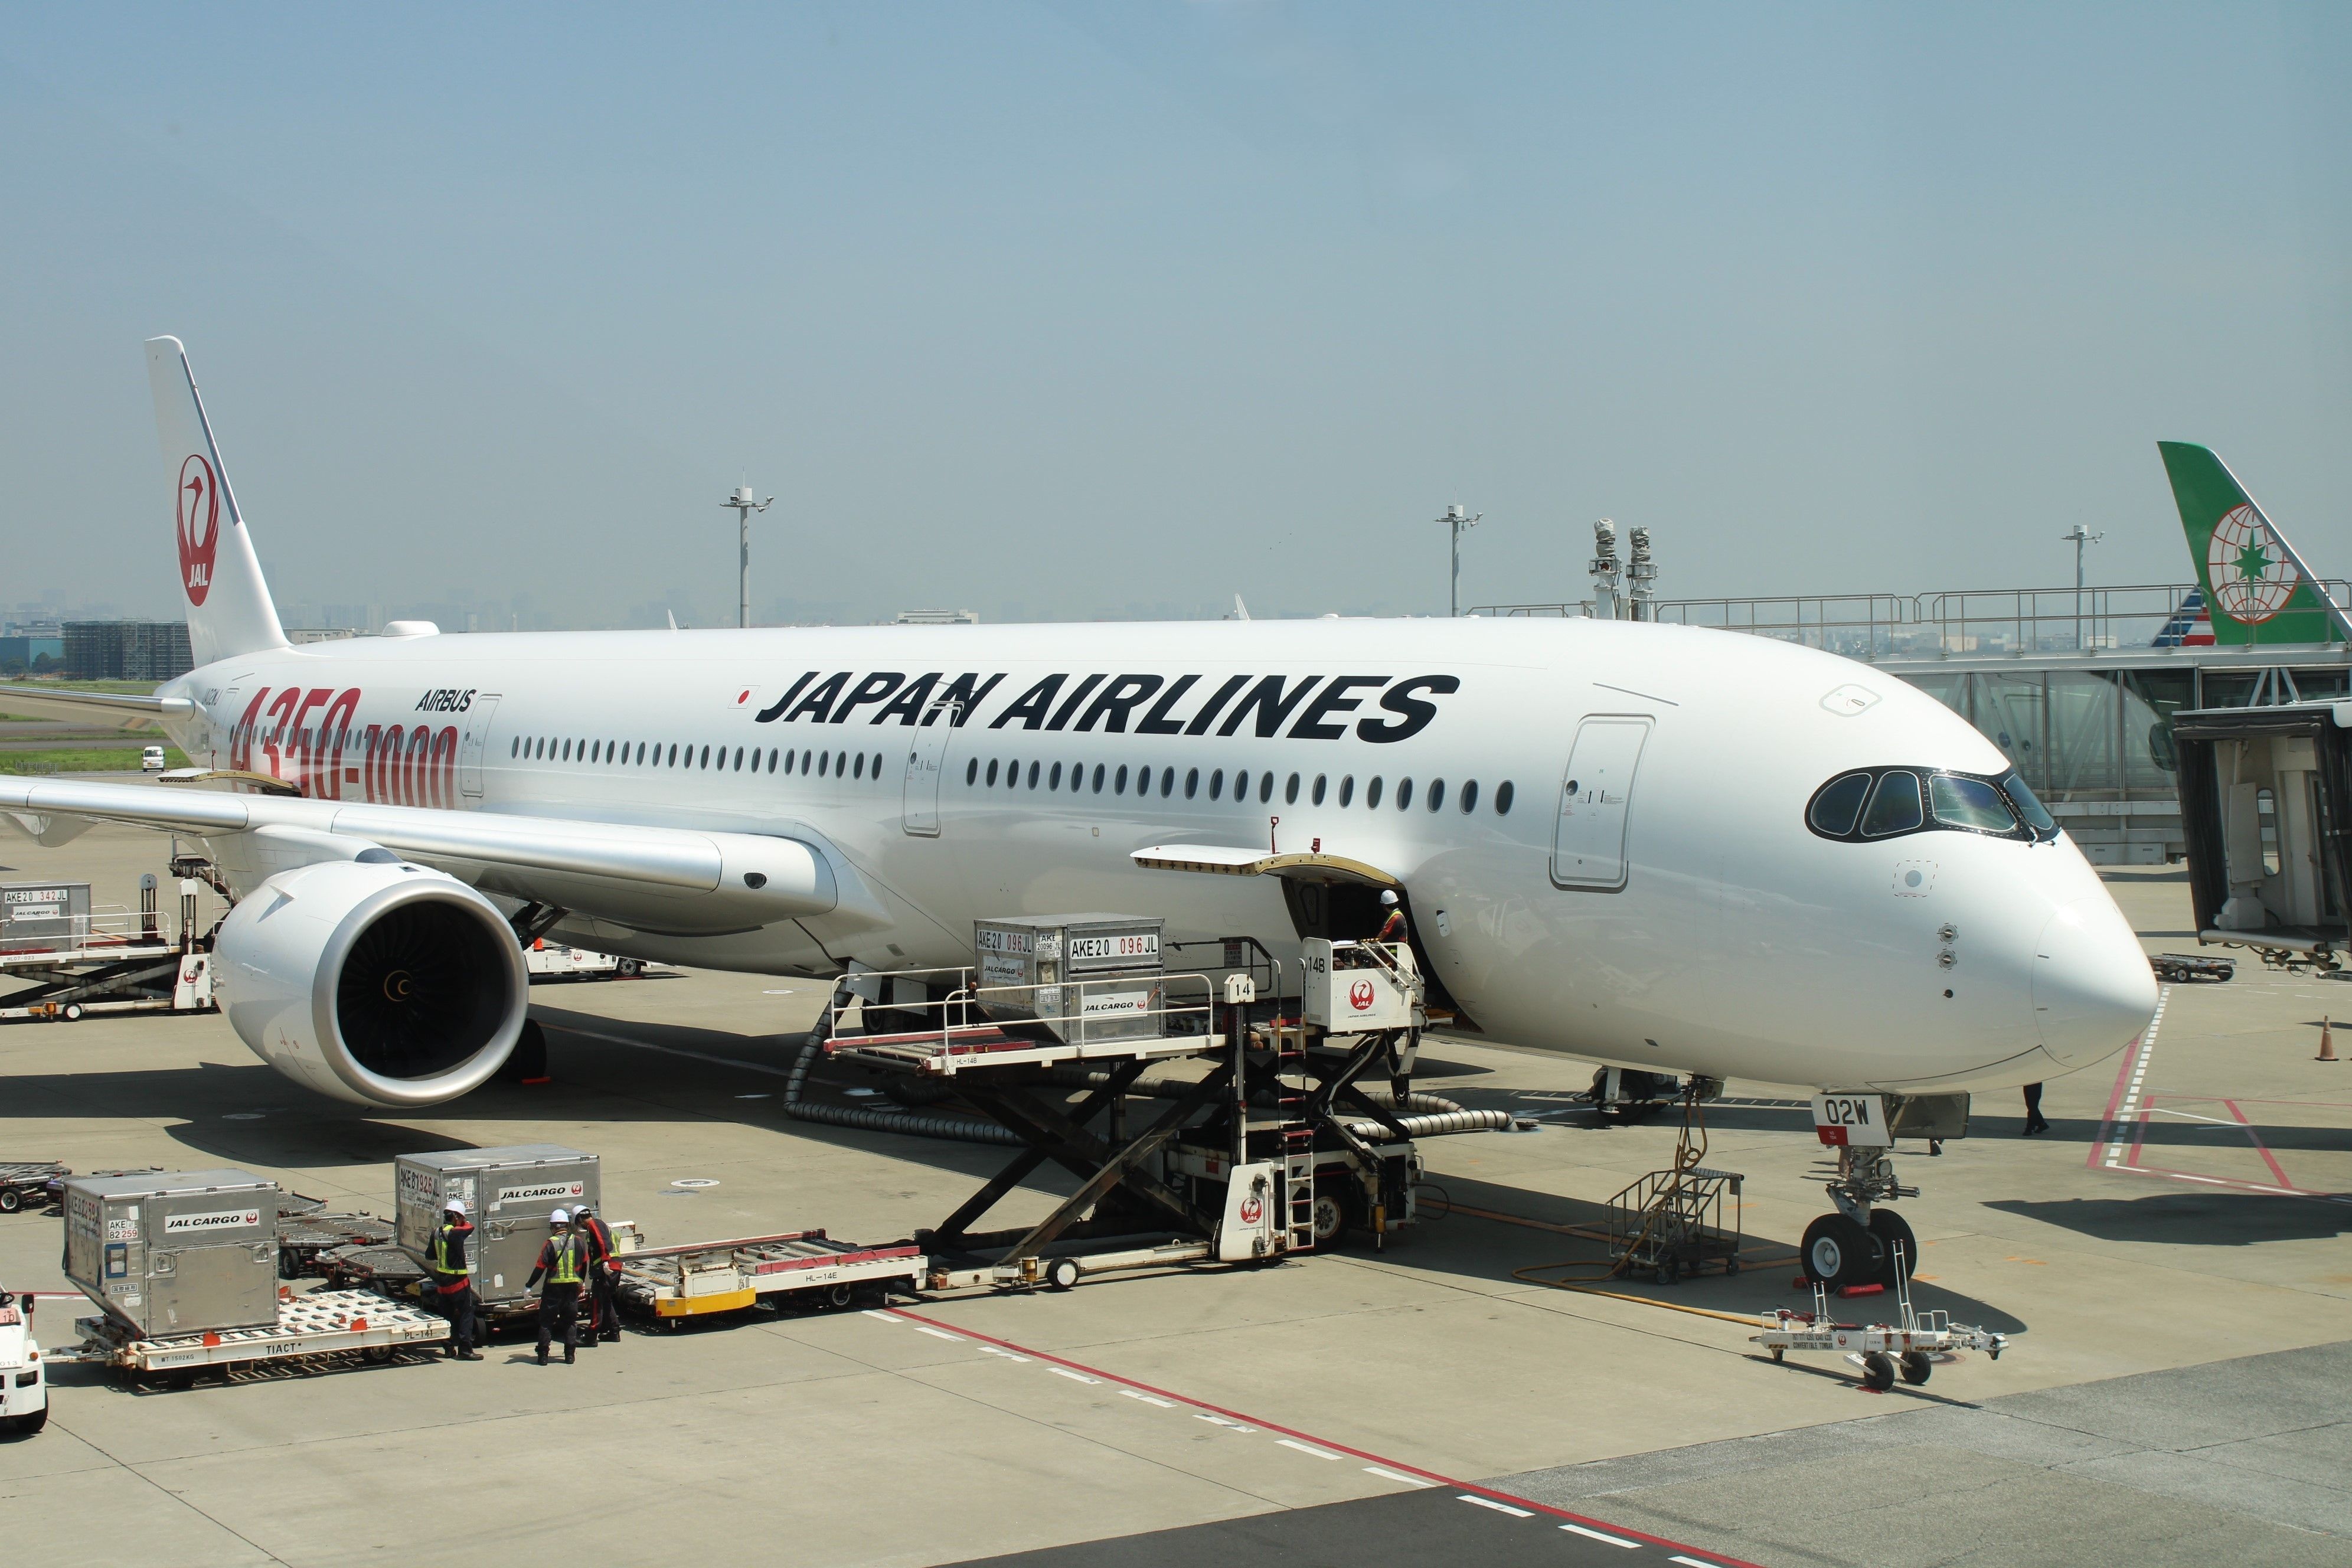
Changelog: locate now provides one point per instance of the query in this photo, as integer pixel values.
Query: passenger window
(991, 773)
(1217, 785)
(1436, 794)
(1118, 785)
(1970, 802)
(1241, 784)
(772, 758)
(1316, 795)
(1347, 789)
(1290, 791)
(1033, 776)
(1405, 794)
(1503, 793)
(739, 760)
(1191, 782)
(1372, 794)
(1266, 786)
(1839, 805)
(840, 763)
(1167, 782)
(516, 749)
(1056, 781)
(1895, 808)
(1469, 797)
(1098, 778)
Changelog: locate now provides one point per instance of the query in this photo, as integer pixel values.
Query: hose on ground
(1433, 1126)
(1172, 1089)
(960, 1129)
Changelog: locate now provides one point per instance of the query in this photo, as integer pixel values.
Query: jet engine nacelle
(373, 981)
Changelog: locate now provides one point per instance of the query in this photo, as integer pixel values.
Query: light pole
(1457, 519)
(744, 506)
(2080, 538)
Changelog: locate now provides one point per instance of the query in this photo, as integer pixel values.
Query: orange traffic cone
(2326, 1043)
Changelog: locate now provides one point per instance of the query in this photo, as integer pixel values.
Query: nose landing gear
(1863, 1243)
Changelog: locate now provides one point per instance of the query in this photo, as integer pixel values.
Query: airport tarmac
(2170, 1258)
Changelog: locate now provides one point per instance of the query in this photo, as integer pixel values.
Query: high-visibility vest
(565, 1267)
(449, 1252)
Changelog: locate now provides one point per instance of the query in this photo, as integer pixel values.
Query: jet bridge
(2266, 806)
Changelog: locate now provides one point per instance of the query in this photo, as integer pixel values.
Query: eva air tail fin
(2256, 587)
(229, 608)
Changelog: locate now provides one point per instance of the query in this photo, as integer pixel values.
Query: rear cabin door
(475, 741)
(927, 755)
(1596, 796)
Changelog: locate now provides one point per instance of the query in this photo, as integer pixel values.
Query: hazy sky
(1061, 312)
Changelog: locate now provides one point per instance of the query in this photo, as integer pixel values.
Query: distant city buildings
(126, 650)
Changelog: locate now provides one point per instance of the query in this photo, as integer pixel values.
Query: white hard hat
(454, 1205)
(559, 1217)
(1387, 894)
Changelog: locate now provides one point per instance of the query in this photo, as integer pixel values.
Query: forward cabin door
(475, 741)
(927, 758)
(1596, 798)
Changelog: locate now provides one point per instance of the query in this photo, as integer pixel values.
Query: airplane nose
(2093, 990)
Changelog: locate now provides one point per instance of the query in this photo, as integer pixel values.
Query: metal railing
(1952, 620)
(961, 1006)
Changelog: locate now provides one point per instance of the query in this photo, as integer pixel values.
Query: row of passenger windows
(1432, 796)
(1881, 802)
(620, 754)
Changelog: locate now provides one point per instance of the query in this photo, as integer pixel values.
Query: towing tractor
(23, 1380)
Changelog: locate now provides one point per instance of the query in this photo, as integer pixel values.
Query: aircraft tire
(1889, 1228)
(1837, 1252)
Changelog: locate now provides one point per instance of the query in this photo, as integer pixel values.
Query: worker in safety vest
(450, 1277)
(603, 1273)
(563, 1264)
(1393, 928)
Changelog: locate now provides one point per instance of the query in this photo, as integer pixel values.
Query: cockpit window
(1886, 801)
(2037, 816)
(1839, 805)
(1970, 802)
(1894, 806)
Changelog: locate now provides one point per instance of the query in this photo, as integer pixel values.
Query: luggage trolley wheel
(1918, 1365)
(1877, 1372)
(71, 1012)
(1062, 1273)
(11, 1200)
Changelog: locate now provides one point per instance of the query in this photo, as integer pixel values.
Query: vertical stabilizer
(2256, 588)
(230, 609)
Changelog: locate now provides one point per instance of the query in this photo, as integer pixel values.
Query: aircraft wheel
(1877, 1372)
(1837, 1252)
(1890, 1227)
(1918, 1366)
(527, 1060)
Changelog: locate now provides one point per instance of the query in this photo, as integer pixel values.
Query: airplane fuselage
(1679, 913)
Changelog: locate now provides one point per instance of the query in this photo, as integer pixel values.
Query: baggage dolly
(25, 1184)
(323, 1324)
(1914, 1343)
(673, 1284)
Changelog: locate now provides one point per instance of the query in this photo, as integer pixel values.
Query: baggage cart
(355, 1324)
(672, 1285)
(1911, 1343)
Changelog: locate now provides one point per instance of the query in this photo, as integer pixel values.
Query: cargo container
(175, 1252)
(508, 1195)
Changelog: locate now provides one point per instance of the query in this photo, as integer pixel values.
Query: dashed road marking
(1497, 1507)
(1073, 1376)
(1008, 1355)
(1597, 1535)
(1306, 1447)
(1400, 1479)
(1162, 1403)
(938, 1333)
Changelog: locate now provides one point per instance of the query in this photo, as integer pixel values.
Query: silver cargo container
(44, 917)
(1097, 976)
(175, 1252)
(508, 1195)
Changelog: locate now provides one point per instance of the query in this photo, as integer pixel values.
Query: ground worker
(563, 1262)
(451, 1277)
(1391, 928)
(603, 1273)
(2034, 1120)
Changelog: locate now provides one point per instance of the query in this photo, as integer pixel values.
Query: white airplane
(1672, 849)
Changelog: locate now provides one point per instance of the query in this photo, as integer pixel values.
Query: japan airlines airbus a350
(1658, 847)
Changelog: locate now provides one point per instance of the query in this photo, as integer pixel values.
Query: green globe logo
(2252, 576)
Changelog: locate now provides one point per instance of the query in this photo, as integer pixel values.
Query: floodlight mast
(744, 506)
(1457, 519)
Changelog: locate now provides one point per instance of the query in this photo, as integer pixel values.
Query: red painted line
(2114, 1102)
(2259, 1147)
(1488, 1493)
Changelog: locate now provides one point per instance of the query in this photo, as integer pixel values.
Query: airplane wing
(659, 879)
(118, 710)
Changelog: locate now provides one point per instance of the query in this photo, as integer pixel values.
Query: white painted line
(1694, 1563)
(1008, 1355)
(2209, 1181)
(1073, 1376)
(936, 1333)
(1221, 1421)
(1393, 1476)
(1504, 1508)
(886, 1317)
(1307, 1448)
(1596, 1535)
(1163, 1403)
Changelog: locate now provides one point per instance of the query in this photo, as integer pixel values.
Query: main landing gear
(1860, 1243)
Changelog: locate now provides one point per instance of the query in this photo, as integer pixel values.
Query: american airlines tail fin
(229, 608)
(2255, 587)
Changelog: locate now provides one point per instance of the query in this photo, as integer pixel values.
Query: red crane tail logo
(199, 525)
